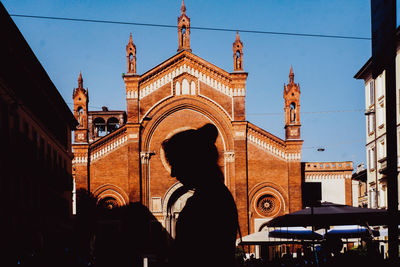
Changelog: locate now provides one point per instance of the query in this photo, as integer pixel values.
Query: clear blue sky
(323, 67)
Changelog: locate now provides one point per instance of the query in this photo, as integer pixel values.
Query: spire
(237, 54)
(183, 8)
(291, 95)
(291, 75)
(184, 30)
(130, 39)
(80, 80)
(131, 55)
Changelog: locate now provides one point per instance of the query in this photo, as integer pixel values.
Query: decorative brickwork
(185, 92)
(335, 179)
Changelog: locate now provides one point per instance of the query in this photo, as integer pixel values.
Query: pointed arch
(208, 109)
(192, 88)
(109, 192)
(185, 87)
(177, 88)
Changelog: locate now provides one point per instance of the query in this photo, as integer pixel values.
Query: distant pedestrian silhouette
(207, 226)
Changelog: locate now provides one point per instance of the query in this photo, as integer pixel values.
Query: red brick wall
(222, 99)
(111, 169)
(247, 168)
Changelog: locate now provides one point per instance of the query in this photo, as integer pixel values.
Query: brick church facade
(118, 154)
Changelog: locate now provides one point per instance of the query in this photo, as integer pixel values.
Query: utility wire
(308, 112)
(276, 113)
(193, 27)
(264, 114)
(355, 141)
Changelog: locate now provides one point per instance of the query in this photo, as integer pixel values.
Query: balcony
(382, 165)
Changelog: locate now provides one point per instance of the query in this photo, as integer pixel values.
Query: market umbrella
(300, 233)
(265, 238)
(331, 214)
(351, 231)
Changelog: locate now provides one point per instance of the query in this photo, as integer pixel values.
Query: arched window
(185, 87)
(108, 203)
(192, 88)
(237, 54)
(73, 197)
(268, 205)
(99, 127)
(292, 112)
(175, 204)
(238, 61)
(183, 35)
(112, 125)
(177, 88)
(131, 63)
(80, 116)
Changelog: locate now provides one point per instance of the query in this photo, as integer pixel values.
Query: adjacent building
(335, 179)
(35, 154)
(376, 129)
(359, 186)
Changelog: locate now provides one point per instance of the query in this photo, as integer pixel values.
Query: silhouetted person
(207, 226)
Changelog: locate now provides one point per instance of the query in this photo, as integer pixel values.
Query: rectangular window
(372, 198)
(398, 100)
(380, 85)
(371, 93)
(371, 158)
(381, 151)
(380, 111)
(371, 121)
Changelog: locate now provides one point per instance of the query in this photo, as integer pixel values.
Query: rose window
(268, 205)
(108, 203)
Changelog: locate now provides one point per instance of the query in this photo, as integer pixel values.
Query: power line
(194, 27)
(274, 113)
(308, 112)
(355, 141)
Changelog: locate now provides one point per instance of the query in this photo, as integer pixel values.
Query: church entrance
(175, 205)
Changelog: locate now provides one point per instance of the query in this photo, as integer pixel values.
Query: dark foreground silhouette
(122, 236)
(207, 226)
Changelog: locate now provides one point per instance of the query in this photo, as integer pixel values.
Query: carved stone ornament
(268, 205)
(229, 156)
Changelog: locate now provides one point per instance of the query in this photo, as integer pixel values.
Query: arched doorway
(175, 204)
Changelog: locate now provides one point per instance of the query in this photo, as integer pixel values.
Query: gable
(186, 62)
(186, 74)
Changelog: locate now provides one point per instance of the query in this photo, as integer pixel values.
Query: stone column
(144, 159)
(229, 161)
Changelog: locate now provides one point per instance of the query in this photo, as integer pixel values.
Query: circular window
(268, 205)
(108, 203)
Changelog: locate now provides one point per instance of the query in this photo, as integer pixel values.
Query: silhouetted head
(193, 156)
